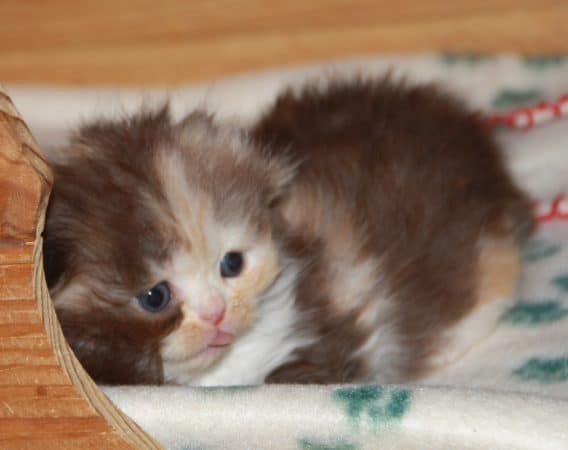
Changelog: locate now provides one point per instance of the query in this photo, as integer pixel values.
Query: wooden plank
(21, 189)
(106, 441)
(33, 357)
(33, 401)
(21, 343)
(47, 401)
(45, 407)
(53, 427)
(18, 305)
(128, 23)
(20, 316)
(15, 374)
(40, 392)
(176, 41)
(15, 252)
(18, 330)
(16, 281)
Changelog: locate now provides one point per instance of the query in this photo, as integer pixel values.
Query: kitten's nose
(212, 309)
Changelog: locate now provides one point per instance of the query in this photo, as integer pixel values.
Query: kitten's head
(159, 243)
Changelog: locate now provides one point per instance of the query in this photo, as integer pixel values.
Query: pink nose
(212, 310)
(214, 317)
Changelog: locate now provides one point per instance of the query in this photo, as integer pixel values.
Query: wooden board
(47, 401)
(180, 41)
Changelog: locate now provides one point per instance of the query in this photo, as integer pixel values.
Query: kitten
(363, 231)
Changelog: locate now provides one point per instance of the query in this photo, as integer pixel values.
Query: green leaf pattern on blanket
(545, 61)
(537, 249)
(379, 404)
(311, 444)
(545, 370)
(561, 282)
(535, 313)
(508, 98)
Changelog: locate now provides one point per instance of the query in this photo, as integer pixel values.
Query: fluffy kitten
(364, 231)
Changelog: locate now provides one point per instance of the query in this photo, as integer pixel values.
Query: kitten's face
(159, 245)
(217, 277)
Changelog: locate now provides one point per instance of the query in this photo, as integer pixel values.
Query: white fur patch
(472, 329)
(360, 286)
(267, 345)
(351, 287)
(382, 351)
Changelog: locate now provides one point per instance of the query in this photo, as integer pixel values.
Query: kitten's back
(408, 194)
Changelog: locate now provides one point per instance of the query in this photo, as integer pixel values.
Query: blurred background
(125, 42)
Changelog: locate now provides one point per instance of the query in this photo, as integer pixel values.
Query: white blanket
(509, 392)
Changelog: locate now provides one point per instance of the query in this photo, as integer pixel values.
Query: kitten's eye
(231, 264)
(156, 299)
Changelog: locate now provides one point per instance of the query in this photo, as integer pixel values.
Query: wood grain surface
(46, 399)
(176, 41)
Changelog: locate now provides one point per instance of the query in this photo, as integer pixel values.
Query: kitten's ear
(281, 174)
(196, 119)
(229, 139)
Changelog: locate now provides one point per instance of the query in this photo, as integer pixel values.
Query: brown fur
(406, 175)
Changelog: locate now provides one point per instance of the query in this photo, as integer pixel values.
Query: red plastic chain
(557, 209)
(525, 118)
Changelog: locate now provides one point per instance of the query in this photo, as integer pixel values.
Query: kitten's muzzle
(221, 339)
